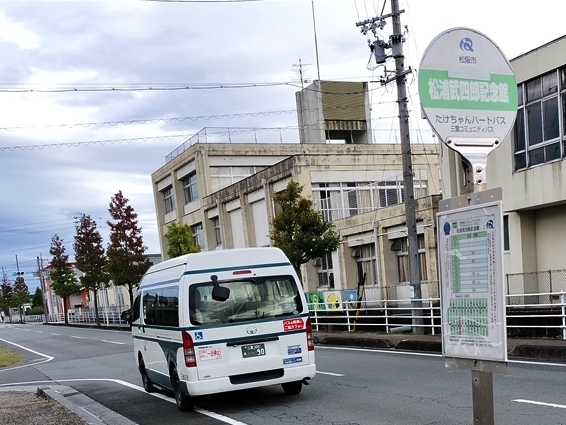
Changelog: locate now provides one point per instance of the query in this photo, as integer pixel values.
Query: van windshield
(250, 299)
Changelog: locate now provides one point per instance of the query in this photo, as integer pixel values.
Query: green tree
(298, 230)
(181, 240)
(90, 258)
(6, 294)
(64, 282)
(37, 299)
(20, 295)
(127, 261)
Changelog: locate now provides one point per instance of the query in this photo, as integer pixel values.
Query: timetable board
(470, 236)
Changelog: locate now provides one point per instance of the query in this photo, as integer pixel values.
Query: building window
(539, 127)
(325, 271)
(169, 200)
(367, 264)
(339, 200)
(506, 245)
(217, 232)
(198, 235)
(190, 187)
(221, 177)
(403, 260)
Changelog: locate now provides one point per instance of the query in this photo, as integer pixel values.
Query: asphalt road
(352, 386)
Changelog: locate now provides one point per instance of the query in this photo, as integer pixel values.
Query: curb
(354, 341)
(92, 412)
(540, 352)
(414, 345)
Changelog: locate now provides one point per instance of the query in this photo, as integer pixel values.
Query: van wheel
(184, 402)
(146, 382)
(292, 388)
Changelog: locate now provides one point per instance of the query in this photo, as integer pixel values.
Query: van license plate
(253, 350)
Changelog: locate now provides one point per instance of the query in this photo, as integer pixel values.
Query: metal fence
(107, 317)
(534, 319)
(535, 288)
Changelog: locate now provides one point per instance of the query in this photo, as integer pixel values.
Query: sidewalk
(533, 348)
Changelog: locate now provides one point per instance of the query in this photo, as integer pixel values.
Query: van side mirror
(126, 315)
(219, 293)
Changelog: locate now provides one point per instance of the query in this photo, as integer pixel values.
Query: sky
(94, 95)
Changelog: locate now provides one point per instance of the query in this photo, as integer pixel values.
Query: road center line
(113, 342)
(540, 403)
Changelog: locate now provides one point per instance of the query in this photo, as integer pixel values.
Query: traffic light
(18, 273)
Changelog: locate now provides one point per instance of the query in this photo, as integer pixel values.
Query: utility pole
(42, 283)
(399, 76)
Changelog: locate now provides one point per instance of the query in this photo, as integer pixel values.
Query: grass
(8, 358)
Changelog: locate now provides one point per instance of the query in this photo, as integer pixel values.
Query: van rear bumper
(219, 385)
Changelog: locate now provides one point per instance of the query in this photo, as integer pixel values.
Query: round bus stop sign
(467, 89)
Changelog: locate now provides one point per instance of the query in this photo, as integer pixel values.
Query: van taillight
(189, 350)
(310, 341)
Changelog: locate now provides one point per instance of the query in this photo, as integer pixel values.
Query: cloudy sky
(94, 95)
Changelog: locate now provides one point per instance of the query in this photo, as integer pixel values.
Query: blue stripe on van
(165, 282)
(247, 337)
(219, 341)
(227, 269)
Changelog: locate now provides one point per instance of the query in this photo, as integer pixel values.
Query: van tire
(292, 388)
(184, 402)
(146, 382)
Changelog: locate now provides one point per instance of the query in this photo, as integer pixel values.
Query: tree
(20, 295)
(90, 258)
(127, 262)
(181, 240)
(64, 282)
(298, 230)
(37, 299)
(6, 294)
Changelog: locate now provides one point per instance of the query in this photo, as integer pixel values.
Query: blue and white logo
(446, 229)
(467, 45)
(489, 224)
(199, 336)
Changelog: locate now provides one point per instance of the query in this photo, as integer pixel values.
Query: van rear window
(250, 299)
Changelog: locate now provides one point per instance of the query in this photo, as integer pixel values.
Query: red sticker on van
(293, 324)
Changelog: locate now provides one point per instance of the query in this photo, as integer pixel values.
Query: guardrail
(386, 315)
(396, 315)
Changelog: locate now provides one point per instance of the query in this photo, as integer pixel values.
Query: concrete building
(529, 167)
(224, 191)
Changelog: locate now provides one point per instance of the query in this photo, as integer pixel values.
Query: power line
(94, 142)
(194, 118)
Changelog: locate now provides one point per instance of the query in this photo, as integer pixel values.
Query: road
(352, 386)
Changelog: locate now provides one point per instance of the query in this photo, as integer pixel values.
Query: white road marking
(39, 332)
(47, 358)
(540, 403)
(77, 337)
(55, 334)
(113, 342)
(371, 350)
(413, 353)
(329, 373)
(205, 412)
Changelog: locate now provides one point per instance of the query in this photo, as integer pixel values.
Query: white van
(223, 320)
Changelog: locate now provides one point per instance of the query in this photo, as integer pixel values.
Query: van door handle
(252, 341)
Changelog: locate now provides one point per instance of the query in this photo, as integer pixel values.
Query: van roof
(224, 258)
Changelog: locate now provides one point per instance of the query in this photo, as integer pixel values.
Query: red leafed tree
(90, 258)
(127, 261)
